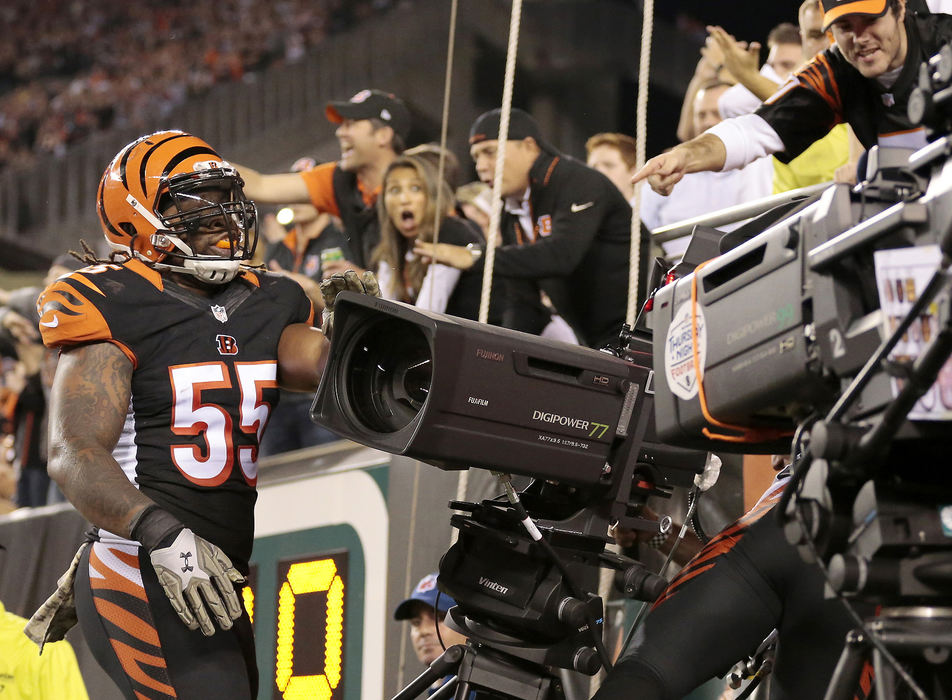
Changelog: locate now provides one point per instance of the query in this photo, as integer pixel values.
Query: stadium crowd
(68, 69)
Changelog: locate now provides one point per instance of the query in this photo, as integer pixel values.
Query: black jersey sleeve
(807, 106)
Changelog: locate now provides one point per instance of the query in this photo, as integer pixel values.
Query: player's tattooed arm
(88, 404)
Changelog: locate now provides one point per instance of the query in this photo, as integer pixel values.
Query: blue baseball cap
(425, 592)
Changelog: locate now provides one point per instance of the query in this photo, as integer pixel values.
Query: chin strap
(210, 271)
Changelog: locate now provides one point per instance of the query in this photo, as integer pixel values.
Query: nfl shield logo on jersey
(220, 313)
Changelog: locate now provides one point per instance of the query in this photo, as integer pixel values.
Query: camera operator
(865, 80)
(744, 583)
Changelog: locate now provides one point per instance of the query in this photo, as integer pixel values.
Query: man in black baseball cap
(372, 104)
(372, 128)
(521, 126)
(565, 231)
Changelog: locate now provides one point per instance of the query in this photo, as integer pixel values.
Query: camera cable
(506, 481)
(694, 496)
(799, 456)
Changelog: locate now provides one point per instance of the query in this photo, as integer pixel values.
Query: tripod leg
(846, 675)
(447, 662)
(462, 690)
(885, 677)
(446, 691)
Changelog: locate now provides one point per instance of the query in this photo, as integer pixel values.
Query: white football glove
(349, 281)
(198, 578)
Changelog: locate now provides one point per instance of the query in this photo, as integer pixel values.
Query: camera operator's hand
(197, 576)
(348, 281)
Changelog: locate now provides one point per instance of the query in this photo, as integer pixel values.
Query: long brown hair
(393, 246)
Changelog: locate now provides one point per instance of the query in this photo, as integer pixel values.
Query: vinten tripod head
(524, 611)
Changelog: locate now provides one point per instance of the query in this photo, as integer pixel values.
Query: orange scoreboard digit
(309, 625)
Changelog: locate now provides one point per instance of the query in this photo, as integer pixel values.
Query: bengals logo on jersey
(226, 345)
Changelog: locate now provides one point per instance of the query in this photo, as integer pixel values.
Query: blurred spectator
(710, 69)
(715, 65)
(475, 202)
(407, 211)
(813, 39)
(30, 380)
(825, 158)
(694, 195)
(27, 417)
(372, 129)
(615, 156)
(68, 69)
(312, 238)
(8, 477)
(755, 82)
(426, 609)
(565, 231)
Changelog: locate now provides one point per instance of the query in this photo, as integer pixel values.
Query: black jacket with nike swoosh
(580, 254)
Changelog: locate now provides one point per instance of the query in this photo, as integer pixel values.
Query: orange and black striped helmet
(150, 197)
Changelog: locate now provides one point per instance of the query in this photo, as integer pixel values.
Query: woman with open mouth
(408, 212)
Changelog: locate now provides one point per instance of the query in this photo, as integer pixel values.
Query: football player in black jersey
(172, 354)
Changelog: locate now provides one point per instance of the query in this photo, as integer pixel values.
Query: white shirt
(521, 210)
(738, 100)
(703, 193)
(435, 292)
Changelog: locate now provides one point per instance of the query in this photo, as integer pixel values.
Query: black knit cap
(521, 125)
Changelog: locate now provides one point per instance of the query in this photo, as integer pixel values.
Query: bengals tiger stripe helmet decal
(151, 197)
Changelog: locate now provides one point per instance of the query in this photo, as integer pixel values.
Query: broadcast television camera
(832, 324)
(458, 394)
(831, 327)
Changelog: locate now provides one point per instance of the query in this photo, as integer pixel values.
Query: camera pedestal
(918, 636)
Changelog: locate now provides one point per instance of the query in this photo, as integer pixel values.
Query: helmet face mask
(208, 203)
(166, 192)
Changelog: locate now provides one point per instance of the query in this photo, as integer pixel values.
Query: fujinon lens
(389, 370)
